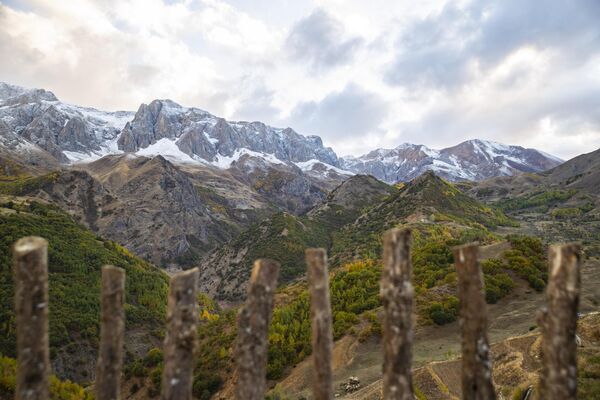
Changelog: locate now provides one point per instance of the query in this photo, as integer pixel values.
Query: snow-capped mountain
(73, 134)
(34, 121)
(67, 132)
(471, 160)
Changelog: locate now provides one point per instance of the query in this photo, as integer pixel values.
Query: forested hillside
(75, 257)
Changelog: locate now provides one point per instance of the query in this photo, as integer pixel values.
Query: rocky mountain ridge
(472, 160)
(38, 122)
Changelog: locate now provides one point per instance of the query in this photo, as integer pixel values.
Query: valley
(170, 187)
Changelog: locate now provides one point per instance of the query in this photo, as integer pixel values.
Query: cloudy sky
(361, 74)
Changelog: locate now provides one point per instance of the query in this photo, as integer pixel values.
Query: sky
(360, 74)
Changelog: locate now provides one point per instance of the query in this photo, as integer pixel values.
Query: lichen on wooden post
(180, 340)
(476, 362)
(112, 328)
(253, 331)
(31, 304)
(321, 320)
(558, 324)
(397, 296)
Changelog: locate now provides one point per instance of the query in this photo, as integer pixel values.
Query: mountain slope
(562, 204)
(471, 160)
(147, 205)
(75, 257)
(427, 200)
(284, 237)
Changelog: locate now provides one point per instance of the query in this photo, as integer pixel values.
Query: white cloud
(360, 74)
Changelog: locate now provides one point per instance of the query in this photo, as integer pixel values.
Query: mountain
(285, 236)
(202, 136)
(472, 160)
(66, 132)
(35, 121)
(172, 183)
(73, 134)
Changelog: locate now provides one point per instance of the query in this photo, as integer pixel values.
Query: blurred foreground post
(31, 305)
(397, 296)
(112, 328)
(476, 363)
(180, 342)
(320, 314)
(253, 331)
(558, 323)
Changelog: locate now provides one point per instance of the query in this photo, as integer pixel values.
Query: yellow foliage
(359, 265)
(207, 316)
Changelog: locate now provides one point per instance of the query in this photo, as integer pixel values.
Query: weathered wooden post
(558, 323)
(112, 328)
(180, 341)
(320, 314)
(397, 295)
(31, 304)
(476, 363)
(253, 331)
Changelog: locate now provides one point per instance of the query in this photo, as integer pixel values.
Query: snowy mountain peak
(474, 159)
(35, 119)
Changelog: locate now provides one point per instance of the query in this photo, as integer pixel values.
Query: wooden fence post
(31, 304)
(320, 314)
(558, 323)
(180, 341)
(476, 364)
(253, 331)
(397, 295)
(112, 328)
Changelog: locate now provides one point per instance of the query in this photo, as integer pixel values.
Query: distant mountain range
(33, 122)
(473, 160)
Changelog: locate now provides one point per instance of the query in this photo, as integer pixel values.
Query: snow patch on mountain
(310, 165)
(225, 162)
(168, 149)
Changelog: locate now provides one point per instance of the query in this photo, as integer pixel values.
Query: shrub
(443, 312)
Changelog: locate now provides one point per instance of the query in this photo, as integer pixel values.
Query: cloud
(448, 49)
(319, 39)
(359, 74)
(255, 101)
(346, 114)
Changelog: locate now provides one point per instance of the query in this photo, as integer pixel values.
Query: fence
(557, 322)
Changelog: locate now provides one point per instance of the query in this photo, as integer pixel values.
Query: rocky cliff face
(471, 160)
(203, 136)
(68, 133)
(158, 212)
